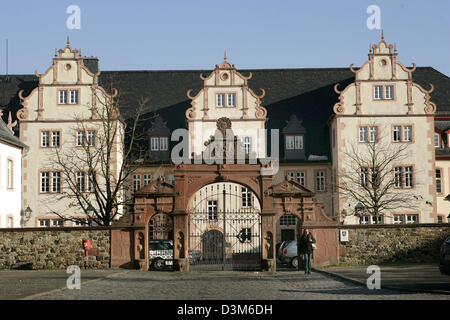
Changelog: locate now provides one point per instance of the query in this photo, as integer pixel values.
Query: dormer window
(226, 100)
(437, 140)
(294, 142)
(159, 143)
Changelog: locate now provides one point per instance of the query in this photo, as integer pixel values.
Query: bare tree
(96, 173)
(374, 178)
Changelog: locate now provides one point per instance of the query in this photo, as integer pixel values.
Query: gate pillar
(180, 241)
(268, 242)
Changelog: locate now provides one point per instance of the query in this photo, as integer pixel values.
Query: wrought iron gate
(225, 229)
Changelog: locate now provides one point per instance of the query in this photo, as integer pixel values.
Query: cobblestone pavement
(292, 285)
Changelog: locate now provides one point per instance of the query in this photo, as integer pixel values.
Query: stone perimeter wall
(392, 243)
(54, 248)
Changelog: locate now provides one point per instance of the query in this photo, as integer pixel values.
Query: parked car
(287, 253)
(444, 261)
(161, 254)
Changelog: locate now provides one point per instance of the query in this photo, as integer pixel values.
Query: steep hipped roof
(8, 137)
(307, 93)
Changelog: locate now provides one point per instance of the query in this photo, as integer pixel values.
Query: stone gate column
(268, 230)
(180, 241)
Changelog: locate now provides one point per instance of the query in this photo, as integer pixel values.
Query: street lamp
(28, 212)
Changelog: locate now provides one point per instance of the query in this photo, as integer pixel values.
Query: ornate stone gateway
(224, 228)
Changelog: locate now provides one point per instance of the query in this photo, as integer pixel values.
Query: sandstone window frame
(226, 99)
(68, 96)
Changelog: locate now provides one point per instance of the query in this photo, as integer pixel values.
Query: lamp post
(90, 210)
(26, 215)
(359, 208)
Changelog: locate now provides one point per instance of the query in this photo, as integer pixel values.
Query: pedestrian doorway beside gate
(224, 228)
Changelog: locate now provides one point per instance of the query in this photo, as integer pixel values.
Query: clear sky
(182, 34)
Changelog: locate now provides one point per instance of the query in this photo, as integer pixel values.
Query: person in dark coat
(306, 248)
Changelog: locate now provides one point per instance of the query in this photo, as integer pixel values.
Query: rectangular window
(248, 145)
(92, 181)
(136, 182)
(290, 175)
(147, 179)
(407, 133)
(57, 223)
(362, 134)
(438, 181)
(73, 96)
(300, 178)
(62, 96)
(320, 181)
(378, 92)
(373, 134)
(163, 143)
(45, 182)
(298, 143)
(231, 99)
(437, 140)
(44, 223)
(375, 178)
(380, 220)
(212, 210)
(9, 222)
(389, 92)
(246, 198)
(91, 138)
(364, 220)
(409, 177)
(154, 143)
(81, 181)
(399, 219)
(396, 137)
(411, 218)
(171, 179)
(221, 100)
(364, 176)
(398, 177)
(45, 139)
(56, 182)
(288, 220)
(80, 138)
(290, 142)
(56, 139)
(9, 169)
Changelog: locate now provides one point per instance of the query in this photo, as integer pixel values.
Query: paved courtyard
(138, 285)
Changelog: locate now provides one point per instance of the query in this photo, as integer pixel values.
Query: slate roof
(7, 136)
(307, 93)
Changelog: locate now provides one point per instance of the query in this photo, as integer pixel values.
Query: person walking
(307, 242)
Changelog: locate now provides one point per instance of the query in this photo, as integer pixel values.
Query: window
(290, 176)
(81, 181)
(437, 140)
(163, 143)
(373, 134)
(364, 220)
(92, 181)
(378, 92)
(438, 181)
(389, 92)
(248, 145)
(147, 179)
(440, 219)
(231, 100)
(380, 220)
(80, 222)
(44, 223)
(9, 222)
(50, 182)
(212, 210)
(80, 138)
(397, 133)
(221, 100)
(399, 219)
(245, 235)
(57, 223)
(320, 181)
(411, 218)
(300, 178)
(294, 142)
(136, 182)
(45, 139)
(364, 176)
(398, 177)
(362, 134)
(409, 177)
(288, 220)
(407, 133)
(56, 182)
(375, 179)
(9, 177)
(154, 143)
(91, 138)
(62, 96)
(246, 198)
(171, 179)
(72, 94)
